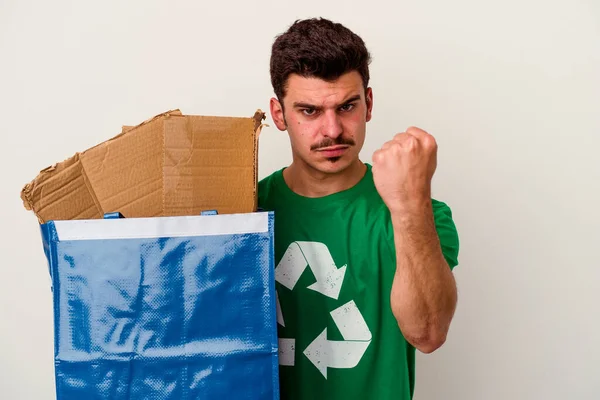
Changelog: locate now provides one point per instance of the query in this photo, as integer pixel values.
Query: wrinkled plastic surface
(164, 318)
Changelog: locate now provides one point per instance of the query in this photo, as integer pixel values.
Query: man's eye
(347, 107)
(309, 111)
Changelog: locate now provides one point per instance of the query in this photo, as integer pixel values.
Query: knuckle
(396, 148)
(416, 131)
(377, 156)
(399, 137)
(411, 141)
(430, 142)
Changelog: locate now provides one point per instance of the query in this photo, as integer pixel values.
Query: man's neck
(308, 182)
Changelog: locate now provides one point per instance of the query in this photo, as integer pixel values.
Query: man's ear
(277, 114)
(369, 100)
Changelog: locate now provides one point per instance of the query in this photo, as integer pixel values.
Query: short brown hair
(319, 48)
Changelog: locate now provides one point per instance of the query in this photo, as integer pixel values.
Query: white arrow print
(325, 353)
(300, 255)
(280, 320)
(287, 347)
(287, 352)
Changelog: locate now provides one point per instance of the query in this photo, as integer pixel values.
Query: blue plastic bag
(164, 308)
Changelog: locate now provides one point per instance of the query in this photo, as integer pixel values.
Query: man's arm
(423, 297)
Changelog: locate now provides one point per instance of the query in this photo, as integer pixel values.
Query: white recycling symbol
(323, 353)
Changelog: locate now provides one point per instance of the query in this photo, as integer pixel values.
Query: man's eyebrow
(306, 105)
(351, 99)
(314, 107)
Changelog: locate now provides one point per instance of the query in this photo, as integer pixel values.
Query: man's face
(326, 121)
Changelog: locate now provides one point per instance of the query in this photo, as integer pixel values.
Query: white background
(511, 90)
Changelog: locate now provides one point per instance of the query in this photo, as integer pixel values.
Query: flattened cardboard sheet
(169, 165)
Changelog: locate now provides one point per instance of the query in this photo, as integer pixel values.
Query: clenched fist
(403, 168)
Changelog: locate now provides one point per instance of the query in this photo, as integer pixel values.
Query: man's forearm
(423, 296)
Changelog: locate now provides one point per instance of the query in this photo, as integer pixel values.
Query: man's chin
(334, 165)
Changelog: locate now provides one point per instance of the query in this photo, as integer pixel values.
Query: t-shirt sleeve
(447, 232)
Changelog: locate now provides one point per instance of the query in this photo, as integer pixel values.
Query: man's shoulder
(266, 186)
(442, 213)
(265, 182)
(440, 207)
(447, 232)
(444, 225)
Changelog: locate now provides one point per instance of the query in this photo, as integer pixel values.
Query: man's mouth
(333, 151)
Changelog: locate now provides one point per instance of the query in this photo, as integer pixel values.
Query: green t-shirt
(335, 262)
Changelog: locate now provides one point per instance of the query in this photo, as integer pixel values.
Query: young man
(363, 254)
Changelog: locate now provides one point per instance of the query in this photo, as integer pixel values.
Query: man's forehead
(317, 91)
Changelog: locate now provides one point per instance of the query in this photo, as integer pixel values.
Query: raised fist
(403, 168)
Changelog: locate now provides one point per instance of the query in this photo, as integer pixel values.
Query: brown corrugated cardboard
(172, 164)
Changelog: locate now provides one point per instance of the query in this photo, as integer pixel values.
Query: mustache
(328, 142)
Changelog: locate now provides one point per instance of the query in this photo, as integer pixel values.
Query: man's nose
(332, 126)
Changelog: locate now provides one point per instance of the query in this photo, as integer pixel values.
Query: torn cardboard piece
(169, 165)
